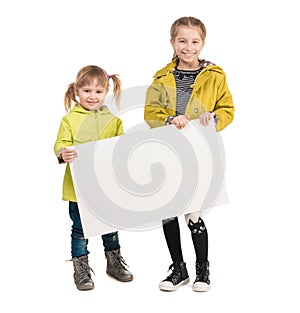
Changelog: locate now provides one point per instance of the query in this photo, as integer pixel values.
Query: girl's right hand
(180, 121)
(68, 155)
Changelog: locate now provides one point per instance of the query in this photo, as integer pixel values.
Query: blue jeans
(79, 243)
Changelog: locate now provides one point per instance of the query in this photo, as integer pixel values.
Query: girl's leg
(172, 234)
(111, 241)
(199, 235)
(179, 275)
(79, 251)
(200, 241)
(78, 242)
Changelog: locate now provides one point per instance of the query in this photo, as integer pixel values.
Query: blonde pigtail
(117, 88)
(70, 97)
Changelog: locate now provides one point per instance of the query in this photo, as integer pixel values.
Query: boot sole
(85, 288)
(173, 288)
(118, 279)
(201, 289)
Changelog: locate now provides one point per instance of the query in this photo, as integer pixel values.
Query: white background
(253, 241)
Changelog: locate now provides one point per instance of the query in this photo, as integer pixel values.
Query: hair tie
(109, 76)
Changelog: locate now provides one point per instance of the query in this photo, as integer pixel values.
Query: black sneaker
(202, 282)
(177, 278)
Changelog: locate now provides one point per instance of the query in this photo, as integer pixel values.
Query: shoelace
(83, 267)
(175, 272)
(202, 271)
(118, 261)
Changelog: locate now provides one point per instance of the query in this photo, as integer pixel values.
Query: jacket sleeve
(64, 138)
(224, 106)
(155, 110)
(120, 130)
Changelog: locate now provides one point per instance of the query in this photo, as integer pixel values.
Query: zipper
(97, 123)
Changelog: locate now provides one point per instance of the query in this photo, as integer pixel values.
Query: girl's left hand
(206, 117)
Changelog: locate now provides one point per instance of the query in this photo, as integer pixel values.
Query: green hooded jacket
(210, 93)
(80, 126)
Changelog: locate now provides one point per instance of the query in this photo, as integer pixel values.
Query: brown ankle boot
(116, 266)
(82, 273)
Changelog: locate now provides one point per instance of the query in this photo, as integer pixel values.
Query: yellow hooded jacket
(80, 126)
(210, 93)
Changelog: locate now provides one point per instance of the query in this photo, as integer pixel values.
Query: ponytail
(117, 88)
(70, 96)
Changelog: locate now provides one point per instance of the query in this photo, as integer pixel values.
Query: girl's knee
(195, 223)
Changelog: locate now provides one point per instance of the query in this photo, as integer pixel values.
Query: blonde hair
(85, 77)
(190, 22)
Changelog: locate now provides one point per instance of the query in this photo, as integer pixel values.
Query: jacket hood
(169, 68)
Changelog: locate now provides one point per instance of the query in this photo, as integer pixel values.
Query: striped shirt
(184, 79)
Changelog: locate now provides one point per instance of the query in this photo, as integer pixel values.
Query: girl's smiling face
(187, 45)
(91, 96)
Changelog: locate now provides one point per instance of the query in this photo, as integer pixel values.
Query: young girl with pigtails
(88, 120)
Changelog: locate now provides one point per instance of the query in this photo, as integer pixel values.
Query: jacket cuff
(215, 117)
(169, 120)
(60, 160)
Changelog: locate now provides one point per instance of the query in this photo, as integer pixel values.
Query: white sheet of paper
(136, 180)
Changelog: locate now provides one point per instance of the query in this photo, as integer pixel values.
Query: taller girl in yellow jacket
(88, 120)
(188, 88)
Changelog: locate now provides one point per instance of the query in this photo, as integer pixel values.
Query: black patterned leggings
(198, 232)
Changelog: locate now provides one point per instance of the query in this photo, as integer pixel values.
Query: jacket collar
(169, 68)
(79, 109)
(167, 79)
